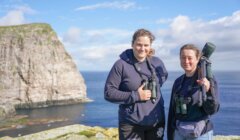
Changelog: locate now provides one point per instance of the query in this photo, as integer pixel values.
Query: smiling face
(141, 47)
(189, 61)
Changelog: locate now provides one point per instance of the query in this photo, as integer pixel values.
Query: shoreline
(51, 103)
(8, 110)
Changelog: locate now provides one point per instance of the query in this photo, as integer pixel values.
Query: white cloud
(223, 32)
(109, 5)
(98, 58)
(13, 18)
(16, 16)
(26, 9)
(163, 21)
(228, 21)
(103, 32)
(72, 35)
(85, 38)
(96, 49)
(99, 49)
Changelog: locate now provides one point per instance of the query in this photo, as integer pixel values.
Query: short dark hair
(143, 32)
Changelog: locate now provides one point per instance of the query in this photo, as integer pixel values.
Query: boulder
(71, 132)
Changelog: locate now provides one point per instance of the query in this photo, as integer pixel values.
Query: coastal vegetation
(77, 131)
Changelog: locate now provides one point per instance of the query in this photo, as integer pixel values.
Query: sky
(96, 32)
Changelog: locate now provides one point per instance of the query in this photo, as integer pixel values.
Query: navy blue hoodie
(121, 88)
(195, 113)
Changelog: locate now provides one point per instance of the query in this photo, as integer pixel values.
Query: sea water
(102, 113)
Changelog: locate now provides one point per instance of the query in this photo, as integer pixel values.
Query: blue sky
(95, 32)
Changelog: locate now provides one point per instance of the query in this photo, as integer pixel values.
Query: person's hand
(204, 82)
(144, 94)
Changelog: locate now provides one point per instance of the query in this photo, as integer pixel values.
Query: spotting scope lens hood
(208, 49)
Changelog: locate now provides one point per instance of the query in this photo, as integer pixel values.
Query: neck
(189, 73)
(140, 59)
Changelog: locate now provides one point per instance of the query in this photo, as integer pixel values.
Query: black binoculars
(181, 105)
(152, 86)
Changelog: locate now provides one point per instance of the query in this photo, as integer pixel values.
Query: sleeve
(212, 104)
(112, 91)
(171, 118)
(161, 72)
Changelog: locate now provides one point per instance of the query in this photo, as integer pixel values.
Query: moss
(87, 133)
(41, 28)
(60, 136)
(13, 121)
(25, 31)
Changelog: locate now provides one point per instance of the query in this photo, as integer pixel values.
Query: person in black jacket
(187, 120)
(134, 83)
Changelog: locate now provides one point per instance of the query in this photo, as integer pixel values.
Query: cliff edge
(82, 132)
(36, 70)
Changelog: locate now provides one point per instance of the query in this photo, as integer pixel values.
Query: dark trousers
(137, 132)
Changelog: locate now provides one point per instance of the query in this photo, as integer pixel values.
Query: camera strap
(150, 67)
(153, 76)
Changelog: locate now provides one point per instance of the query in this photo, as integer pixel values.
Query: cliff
(35, 69)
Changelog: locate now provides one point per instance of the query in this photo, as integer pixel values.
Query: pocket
(191, 129)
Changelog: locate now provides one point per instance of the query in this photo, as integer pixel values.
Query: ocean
(102, 113)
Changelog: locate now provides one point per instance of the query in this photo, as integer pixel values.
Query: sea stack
(36, 70)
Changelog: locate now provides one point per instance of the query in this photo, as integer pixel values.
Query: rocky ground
(71, 132)
(77, 132)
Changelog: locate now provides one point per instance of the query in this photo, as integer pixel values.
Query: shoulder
(159, 66)
(156, 61)
(178, 81)
(118, 64)
(121, 65)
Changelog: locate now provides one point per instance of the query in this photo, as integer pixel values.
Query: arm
(211, 105)
(171, 118)
(112, 91)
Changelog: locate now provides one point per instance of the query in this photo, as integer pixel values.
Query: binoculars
(181, 105)
(152, 86)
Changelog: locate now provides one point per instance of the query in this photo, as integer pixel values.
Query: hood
(128, 56)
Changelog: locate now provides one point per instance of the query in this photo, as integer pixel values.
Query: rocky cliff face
(35, 69)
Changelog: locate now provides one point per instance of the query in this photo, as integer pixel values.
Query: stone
(6, 110)
(77, 131)
(73, 137)
(230, 137)
(35, 69)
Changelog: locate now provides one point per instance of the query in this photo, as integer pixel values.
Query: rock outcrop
(82, 132)
(71, 132)
(35, 69)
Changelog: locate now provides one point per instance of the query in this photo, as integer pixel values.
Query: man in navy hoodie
(134, 83)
